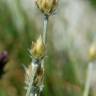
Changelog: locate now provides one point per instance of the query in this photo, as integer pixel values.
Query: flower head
(92, 52)
(47, 6)
(38, 49)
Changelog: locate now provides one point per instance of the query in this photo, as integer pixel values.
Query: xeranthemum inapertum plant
(34, 76)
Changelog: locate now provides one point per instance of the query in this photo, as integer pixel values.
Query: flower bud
(47, 6)
(92, 53)
(38, 49)
(3, 61)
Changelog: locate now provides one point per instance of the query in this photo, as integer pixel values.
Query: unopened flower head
(92, 53)
(38, 49)
(47, 6)
(3, 58)
(3, 61)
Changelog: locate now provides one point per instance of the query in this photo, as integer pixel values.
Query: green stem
(87, 83)
(45, 25)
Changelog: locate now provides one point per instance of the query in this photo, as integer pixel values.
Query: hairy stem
(31, 79)
(33, 89)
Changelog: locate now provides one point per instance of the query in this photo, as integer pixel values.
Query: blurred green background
(64, 73)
